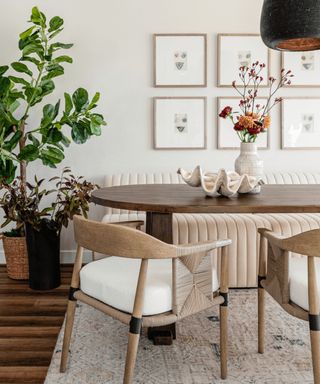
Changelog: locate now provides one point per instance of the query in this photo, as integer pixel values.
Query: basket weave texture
(16, 254)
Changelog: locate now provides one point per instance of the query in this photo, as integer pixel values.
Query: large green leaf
(33, 48)
(31, 60)
(94, 101)
(18, 80)
(47, 86)
(14, 95)
(26, 33)
(38, 17)
(29, 153)
(55, 33)
(63, 59)
(95, 124)
(32, 39)
(14, 105)
(54, 46)
(80, 99)
(6, 118)
(51, 156)
(55, 23)
(32, 94)
(3, 69)
(50, 112)
(79, 132)
(56, 108)
(68, 105)
(65, 140)
(48, 115)
(11, 144)
(20, 67)
(4, 86)
(33, 139)
(54, 136)
(35, 15)
(52, 66)
(54, 73)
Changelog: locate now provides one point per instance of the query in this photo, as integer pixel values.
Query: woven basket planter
(15, 250)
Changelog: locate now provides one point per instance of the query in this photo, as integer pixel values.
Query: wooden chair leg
(261, 319)
(224, 313)
(135, 324)
(132, 350)
(261, 292)
(224, 341)
(315, 351)
(75, 283)
(314, 318)
(67, 334)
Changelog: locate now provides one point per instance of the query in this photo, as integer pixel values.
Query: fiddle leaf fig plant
(25, 84)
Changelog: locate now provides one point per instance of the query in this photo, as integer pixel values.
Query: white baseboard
(66, 257)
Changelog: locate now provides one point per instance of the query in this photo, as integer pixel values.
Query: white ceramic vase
(249, 162)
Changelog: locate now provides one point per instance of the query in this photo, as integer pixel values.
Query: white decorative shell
(221, 183)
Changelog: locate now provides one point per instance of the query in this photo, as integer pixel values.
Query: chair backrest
(306, 243)
(116, 240)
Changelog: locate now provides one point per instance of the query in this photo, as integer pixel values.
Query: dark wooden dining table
(160, 201)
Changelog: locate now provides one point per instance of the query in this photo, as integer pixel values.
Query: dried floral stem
(254, 118)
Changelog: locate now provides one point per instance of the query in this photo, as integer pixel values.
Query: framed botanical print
(180, 60)
(300, 118)
(238, 50)
(180, 122)
(304, 65)
(227, 137)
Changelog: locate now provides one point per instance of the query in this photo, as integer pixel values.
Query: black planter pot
(44, 256)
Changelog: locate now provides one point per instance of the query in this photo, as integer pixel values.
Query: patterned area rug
(99, 346)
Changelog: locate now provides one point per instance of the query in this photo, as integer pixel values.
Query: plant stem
(58, 195)
(23, 164)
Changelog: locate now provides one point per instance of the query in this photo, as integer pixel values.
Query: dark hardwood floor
(30, 322)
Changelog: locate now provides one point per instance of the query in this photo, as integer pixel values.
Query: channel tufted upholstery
(190, 228)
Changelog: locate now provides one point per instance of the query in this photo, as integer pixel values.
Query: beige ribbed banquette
(241, 228)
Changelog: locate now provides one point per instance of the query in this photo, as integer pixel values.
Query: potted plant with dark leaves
(22, 87)
(13, 202)
(43, 224)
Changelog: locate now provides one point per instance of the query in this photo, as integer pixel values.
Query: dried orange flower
(255, 116)
(246, 121)
(266, 122)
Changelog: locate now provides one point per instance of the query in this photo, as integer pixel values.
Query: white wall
(113, 54)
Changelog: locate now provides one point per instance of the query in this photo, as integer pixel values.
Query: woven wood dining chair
(181, 283)
(292, 282)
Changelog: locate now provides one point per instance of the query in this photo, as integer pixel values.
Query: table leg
(159, 225)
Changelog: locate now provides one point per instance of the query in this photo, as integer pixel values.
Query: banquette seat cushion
(240, 228)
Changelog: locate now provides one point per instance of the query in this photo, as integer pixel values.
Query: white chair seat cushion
(298, 280)
(113, 281)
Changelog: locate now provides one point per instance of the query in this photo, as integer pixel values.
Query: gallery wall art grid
(180, 61)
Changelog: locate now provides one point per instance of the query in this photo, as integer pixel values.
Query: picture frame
(300, 123)
(230, 58)
(179, 122)
(226, 137)
(180, 60)
(305, 66)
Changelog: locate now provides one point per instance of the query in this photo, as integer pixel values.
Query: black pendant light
(291, 25)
